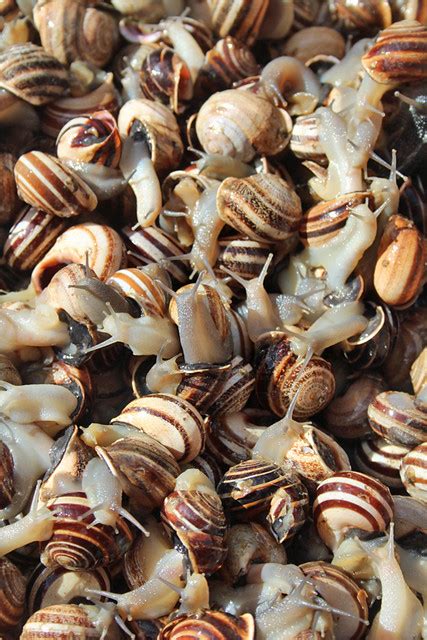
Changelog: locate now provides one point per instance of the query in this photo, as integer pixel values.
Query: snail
(37, 327)
(12, 595)
(394, 416)
(380, 459)
(237, 18)
(37, 403)
(223, 625)
(412, 471)
(60, 619)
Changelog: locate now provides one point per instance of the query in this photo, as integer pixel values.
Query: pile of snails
(213, 323)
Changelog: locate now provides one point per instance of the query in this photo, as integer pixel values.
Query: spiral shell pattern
(198, 520)
(413, 472)
(380, 459)
(394, 416)
(228, 62)
(145, 468)
(350, 500)
(238, 18)
(139, 286)
(288, 511)
(93, 138)
(202, 386)
(278, 367)
(76, 546)
(228, 440)
(363, 15)
(45, 183)
(172, 421)
(407, 42)
(244, 257)
(210, 625)
(30, 73)
(12, 596)
(7, 484)
(165, 78)
(57, 621)
(235, 391)
(305, 141)
(261, 207)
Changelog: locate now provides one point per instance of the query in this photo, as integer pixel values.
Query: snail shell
(8, 371)
(62, 621)
(372, 348)
(305, 142)
(288, 511)
(12, 596)
(229, 440)
(413, 472)
(380, 459)
(197, 519)
(99, 244)
(30, 237)
(206, 464)
(363, 15)
(77, 546)
(394, 416)
(399, 54)
(210, 624)
(401, 265)
(140, 287)
(306, 45)
(305, 13)
(45, 183)
(239, 18)
(9, 203)
(30, 73)
(244, 257)
(235, 391)
(278, 367)
(200, 385)
(49, 586)
(70, 30)
(172, 421)
(165, 78)
(93, 138)
(145, 468)
(240, 124)
(261, 207)
(351, 500)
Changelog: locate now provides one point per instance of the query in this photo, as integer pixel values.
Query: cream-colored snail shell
(93, 138)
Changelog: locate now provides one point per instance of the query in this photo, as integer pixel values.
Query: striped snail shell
(197, 518)
(243, 256)
(94, 138)
(99, 244)
(48, 586)
(165, 78)
(45, 183)
(236, 389)
(305, 13)
(62, 621)
(239, 18)
(7, 484)
(172, 421)
(228, 62)
(372, 347)
(276, 371)
(418, 371)
(413, 472)
(305, 142)
(144, 467)
(30, 237)
(30, 73)
(8, 371)
(393, 415)
(325, 220)
(338, 589)
(206, 464)
(152, 244)
(247, 488)
(56, 114)
(210, 625)
(8, 10)
(9, 203)
(380, 459)
(229, 440)
(241, 124)
(201, 384)
(363, 15)
(262, 207)
(70, 30)
(347, 414)
(351, 500)
(74, 544)
(12, 596)
(399, 54)
(289, 508)
(139, 286)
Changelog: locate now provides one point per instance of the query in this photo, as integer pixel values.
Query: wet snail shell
(261, 207)
(235, 391)
(239, 18)
(394, 416)
(413, 472)
(93, 138)
(305, 142)
(45, 183)
(200, 385)
(206, 464)
(62, 621)
(229, 441)
(12, 596)
(137, 285)
(289, 508)
(244, 257)
(30, 73)
(351, 500)
(210, 624)
(364, 15)
(380, 459)
(165, 78)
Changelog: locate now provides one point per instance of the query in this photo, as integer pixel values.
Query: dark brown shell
(30, 73)
(198, 519)
(7, 485)
(229, 441)
(165, 77)
(372, 347)
(236, 390)
(94, 138)
(12, 596)
(202, 385)
(9, 202)
(210, 625)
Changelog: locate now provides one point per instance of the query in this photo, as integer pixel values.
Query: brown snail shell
(305, 142)
(288, 511)
(200, 385)
(243, 256)
(351, 500)
(210, 624)
(393, 415)
(12, 596)
(235, 391)
(9, 203)
(363, 15)
(139, 286)
(413, 472)
(144, 467)
(76, 546)
(30, 73)
(73, 31)
(261, 207)
(172, 421)
(239, 18)
(8, 371)
(93, 138)
(7, 485)
(165, 78)
(308, 43)
(229, 441)
(241, 124)
(197, 519)
(45, 183)
(63, 621)
(380, 459)
(398, 54)
(208, 465)
(278, 367)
